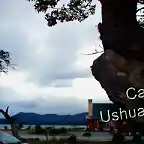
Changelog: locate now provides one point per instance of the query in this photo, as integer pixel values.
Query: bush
(57, 131)
(100, 129)
(38, 129)
(23, 140)
(53, 139)
(28, 128)
(136, 138)
(37, 139)
(5, 127)
(72, 138)
(32, 139)
(20, 126)
(63, 130)
(87, 134)
(118, 138)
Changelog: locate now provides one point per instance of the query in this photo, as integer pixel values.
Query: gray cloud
(61, 83)
(18, 34)
(7, 95)
(41, 104)
(56, 105)
(48, 55)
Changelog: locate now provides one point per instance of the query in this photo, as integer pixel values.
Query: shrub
(100, 129)
(63, 130)
(118, 138)
(20, 126)
(72, 138)
(87, 134)
(39, 129)
(53, 139)
(57, 131)
(23, 140)
(136, 138)
(5, 127)
(28, 128)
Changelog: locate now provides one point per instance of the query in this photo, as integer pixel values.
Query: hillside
(48, 119)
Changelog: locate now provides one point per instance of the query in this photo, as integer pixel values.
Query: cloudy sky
(51, 76)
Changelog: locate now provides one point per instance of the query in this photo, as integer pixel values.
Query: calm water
(57, 126)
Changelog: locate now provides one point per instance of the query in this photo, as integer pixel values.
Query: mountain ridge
(48, 119)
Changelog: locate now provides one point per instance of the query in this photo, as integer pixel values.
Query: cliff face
(121, 66)
(116, 75)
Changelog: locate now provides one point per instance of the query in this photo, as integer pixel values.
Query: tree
(121, 35)
(137, 138)
(118, 138)
(39, 129)
(100, 128)
(5, 61)
(4, 65)
(20, 126)
(28, 128)
(12, 122)
(72, 138)
(58, 131)
(122, 64)
(75, 10)
(122, 39)
(5, 127)
(46, 133)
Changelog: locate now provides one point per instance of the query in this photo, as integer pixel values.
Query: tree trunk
(120, 29)
(46, 134)
(89, 140)
(122, 64)
(14, 129)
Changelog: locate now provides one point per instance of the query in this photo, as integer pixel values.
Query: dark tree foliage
(4, 61)
(141, 15)
(74, 10)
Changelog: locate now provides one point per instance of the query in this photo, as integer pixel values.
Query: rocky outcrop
(116, 74)
(121, 66)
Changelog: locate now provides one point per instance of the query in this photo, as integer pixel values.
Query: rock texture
(116, 74)
(121, 66)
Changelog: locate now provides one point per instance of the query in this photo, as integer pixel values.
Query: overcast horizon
(52, 75)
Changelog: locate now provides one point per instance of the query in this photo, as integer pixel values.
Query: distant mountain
(48, 119)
